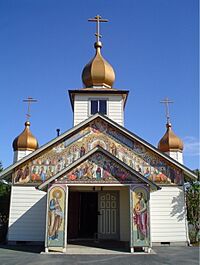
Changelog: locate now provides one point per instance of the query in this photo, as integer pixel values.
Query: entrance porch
(98, 216)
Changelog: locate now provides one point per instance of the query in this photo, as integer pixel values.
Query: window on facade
(99, 106)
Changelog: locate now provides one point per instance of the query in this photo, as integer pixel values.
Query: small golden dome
(98, 72)
(170, 142)
(25, 141)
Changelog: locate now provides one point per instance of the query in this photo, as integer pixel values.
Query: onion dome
(170, 142)
(98, 72)
(25, 141)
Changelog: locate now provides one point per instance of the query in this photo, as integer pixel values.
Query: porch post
(131, 222)
(66, 217)
(139, 217)
(46, 223)
(55, 237)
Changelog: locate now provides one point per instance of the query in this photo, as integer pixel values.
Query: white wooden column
(66, 216)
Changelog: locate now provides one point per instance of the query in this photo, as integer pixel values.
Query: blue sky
(152, 45)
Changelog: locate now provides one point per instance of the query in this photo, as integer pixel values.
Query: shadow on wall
(31, 225)
(178, 207)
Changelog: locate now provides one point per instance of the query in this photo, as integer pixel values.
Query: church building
(98, 181)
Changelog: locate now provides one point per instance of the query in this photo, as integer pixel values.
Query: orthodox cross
(166, 101)
(97, 19)
(29, 100)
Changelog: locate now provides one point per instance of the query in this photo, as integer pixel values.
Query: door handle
(98, 213)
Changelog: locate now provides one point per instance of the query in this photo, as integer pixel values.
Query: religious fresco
(137, 156)
(139, 214)
(52, 161)
(55, 234)
(99, 133)
(100, 169)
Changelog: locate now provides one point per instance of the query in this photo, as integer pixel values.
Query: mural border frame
(132, 188)
(56, 248)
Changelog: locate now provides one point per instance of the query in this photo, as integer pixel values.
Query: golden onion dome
(98, 72)
(170, 142)
(25, 141)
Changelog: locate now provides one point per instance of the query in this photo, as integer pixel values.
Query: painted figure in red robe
(140, 217)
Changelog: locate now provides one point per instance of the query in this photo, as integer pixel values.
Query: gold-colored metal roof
(170, 142)
(98, 72)
(26, 140)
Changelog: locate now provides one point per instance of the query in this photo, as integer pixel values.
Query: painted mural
(140, 232)
(99, 133)
(55, 235)
(100, 169)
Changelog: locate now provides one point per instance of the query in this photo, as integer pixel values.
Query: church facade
(98, 181)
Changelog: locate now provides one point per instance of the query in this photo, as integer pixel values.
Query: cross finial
(166, 101)
(97, 19)
(29, 100)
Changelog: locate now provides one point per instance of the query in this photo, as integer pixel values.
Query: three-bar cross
(29, 100)
(97, 19)
(166, 101)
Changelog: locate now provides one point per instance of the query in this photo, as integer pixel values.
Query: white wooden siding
(20, 154)
(27, 214)
(115, 107)
(177, 155)
(167, 210)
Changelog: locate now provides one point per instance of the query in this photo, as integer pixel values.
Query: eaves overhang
(85, 91)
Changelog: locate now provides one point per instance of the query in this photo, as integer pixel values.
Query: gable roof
(76, 128)
(109, 155)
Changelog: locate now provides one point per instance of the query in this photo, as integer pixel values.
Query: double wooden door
(108, 215)
(93, 214)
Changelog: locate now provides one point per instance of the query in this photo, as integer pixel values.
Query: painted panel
(55, 233)
(139, 213)
(98, 169)
(99, 133)
(137, 156)
(53, 160)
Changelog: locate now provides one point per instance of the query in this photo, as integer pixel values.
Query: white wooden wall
(168, 216)
(114, 107)
(177, 155)
(27, 214)
(20, 154)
